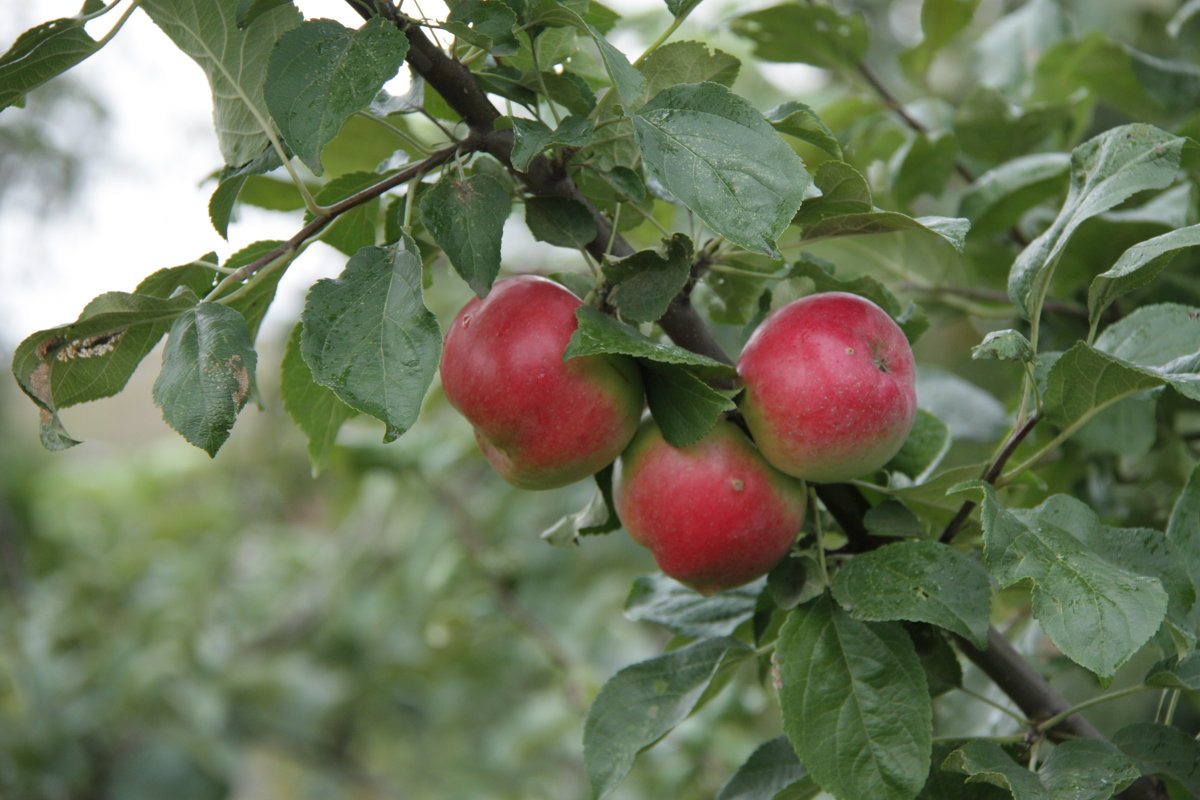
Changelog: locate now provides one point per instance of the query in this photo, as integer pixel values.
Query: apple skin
(830, 387)
(715, 514)
(541, 422)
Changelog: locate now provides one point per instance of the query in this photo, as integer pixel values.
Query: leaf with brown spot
(207, 374)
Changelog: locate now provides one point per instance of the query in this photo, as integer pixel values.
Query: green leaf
(313, 407)
(939, 659)
(919, 582)
(892, 518)
(531, 137)
(947, 784)
(560, 221)
(950, 230)
(369, 337)
(844, 191)
(1095, 608)
(488, 25)
(679, 8)
(769, 769)
(465, 217)
(816, 35)
(598, 516)
(249, 10)
(321, 72)
(991, 128)
(235, 62)
(1183, 529)
(923, 450)
(1138, 266)
(40, 54)
(1162, 750)
(1082, 769)
(796, 119)
(686, 62)
(645, 283)
(207, 374)
(843, 682)
(1005, 345)
(600, 333)
(628, 82)
(715, 153)
(643, 702)
(987, 762)
(1000, 196)
(1176, 673)
(1087, 769)
(664, 601)
(95, 356)
(229, 185)
(941, 21)
(1126, 428)
(685, 407)
(925, 164)
(1105, 171)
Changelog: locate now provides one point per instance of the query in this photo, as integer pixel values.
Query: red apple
(830, 389)
(715, 514)
(542, 422)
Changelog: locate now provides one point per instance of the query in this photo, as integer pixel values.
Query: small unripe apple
(715, 514)
(541, 422)
(830, 387)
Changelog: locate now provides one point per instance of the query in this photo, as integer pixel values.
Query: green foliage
(1014, 186)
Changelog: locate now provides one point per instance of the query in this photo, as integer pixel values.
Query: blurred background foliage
(177, 627)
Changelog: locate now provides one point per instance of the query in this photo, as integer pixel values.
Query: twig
(990, 475)
(332, 212)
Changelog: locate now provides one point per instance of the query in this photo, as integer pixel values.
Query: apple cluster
(829, 396)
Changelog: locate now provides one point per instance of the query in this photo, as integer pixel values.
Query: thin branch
(332, 212)
(991, 475)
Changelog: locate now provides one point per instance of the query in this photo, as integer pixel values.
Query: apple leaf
(465, 217)
(941, 21)
(234, 60)
(687, 62)
(987, 762)
(1162, 750)
(643, 702)
(645, 283)
(1098, 768)
(1094, 603)
(229, 186)
(313, 407)
(484, 24)
(598, 516)
(560, 221)
(1105, 171)
(842, 682)
(797, 119)
(628, 82)
(41, 53)
(999, 197)
(1183, 530)
(769, 769)
(919, 582)
(925, 165)
(321, 72)
(95, 356)
(356, 228)
(948, 230)
(664, 601)
(713, 151)
(684, 407)
(531, 137)
(207, 374)
(794, 33)
(369, 337)
(600, 333)
(1177, 672)
(1138, 266)
(1004, 345)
